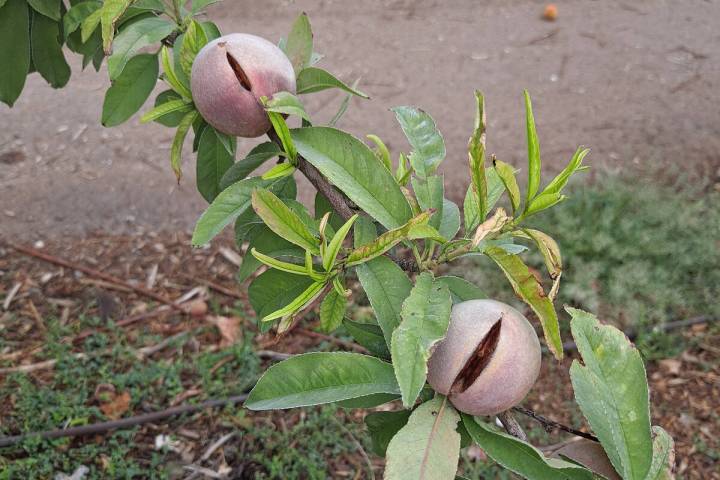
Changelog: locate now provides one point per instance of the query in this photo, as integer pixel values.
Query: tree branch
(551, 425)
(511, 425)
(339, 202)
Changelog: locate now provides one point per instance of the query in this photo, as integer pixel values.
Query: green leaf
(332, 311)
(299, 44)
(386, 241)
(336, 242)
(460, 289)
(279, 264)
(14, 49)
(256, 157)
(110, 13)
(283, 133)
(281, 170)
(267, 242)
(495, 190)
(313, 79)
(287, 103)
(213, 160)
(321, 377)
(193, 40)
(350, 165)
(369, 401)
(90, 24)
(427, 142)
(170, 76)
(507, 175)
(450, 220)
(534, 164)
(382, 427)
(428, 447)
(369, 336)
(343, 105)
(529, 289)
(47, 54)
(425, 317)
(211, 30)
(131, 40)
(559, 182)
(198, 5)
(478, 190)
(386, 287)
(542, 202)
(283, 221)
(226, 207)
(382, 151)
(612, 392)
(47, 8)
(274, 289)
(179, 140)
(296, 305)
(173, 106)
(77, 14)
(365, 231)
(429, 193)
(521, 457)
(130, 90)
(663, 450)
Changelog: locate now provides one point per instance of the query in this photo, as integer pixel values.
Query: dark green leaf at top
(14, 49)
(47, 8)
(47, 54)
(130, 90)
(77, 13)
(213, 160)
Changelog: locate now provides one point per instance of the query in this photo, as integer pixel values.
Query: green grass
(636, 253)
(66, 398)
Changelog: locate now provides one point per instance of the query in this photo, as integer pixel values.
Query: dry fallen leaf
(115, 408)
(671, 366)
(229, 328)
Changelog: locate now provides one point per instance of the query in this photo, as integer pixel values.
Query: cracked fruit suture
(231, 74)
(489, 359)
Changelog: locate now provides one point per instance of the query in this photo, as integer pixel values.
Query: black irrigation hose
(123, 422)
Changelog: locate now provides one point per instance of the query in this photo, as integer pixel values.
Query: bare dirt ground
(635, 80)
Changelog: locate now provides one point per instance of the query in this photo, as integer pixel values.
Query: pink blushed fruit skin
(219, 95)
(511, 371)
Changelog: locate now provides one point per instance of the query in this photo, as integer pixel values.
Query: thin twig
(102, 427)
(331, 339)
(214, 286)
(511, 425)
(550, 425)
(340, 203)
(96, 274)
(219, 443)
